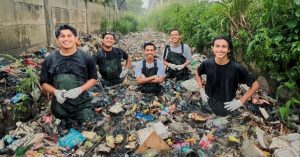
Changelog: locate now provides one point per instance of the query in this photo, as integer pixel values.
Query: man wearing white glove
(233, 105)
(73, 93)
(204, 97)
(172, 66)
(176, 57)
(123, 73)
(59, 94)
(179, 67)
(109, 60)
(223, 77)
(68, 74)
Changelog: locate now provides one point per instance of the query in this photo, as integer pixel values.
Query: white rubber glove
(172, 66)
(179, 67)
(73, 93)
(59, 94)
(233, 105)
(204, 96)
(124, 73)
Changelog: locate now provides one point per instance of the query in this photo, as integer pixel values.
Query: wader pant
(76, 109)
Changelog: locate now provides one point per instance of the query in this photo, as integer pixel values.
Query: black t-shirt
(109, 55)
(79, 64)
(222, 80)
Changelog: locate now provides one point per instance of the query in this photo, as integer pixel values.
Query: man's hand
(204, 96)
(124, 73)
(73, 93)
(233, 105)
(172, 66)
(179, 67)
(59, 94)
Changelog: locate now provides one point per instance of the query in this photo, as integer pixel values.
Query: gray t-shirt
(187, 51)
(160, 66)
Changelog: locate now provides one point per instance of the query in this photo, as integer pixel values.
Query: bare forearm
(158, 79)
(90, 83)
(166, 63)
(48, 88)
(143, 80)
(199, 80)
(254, 87)
(187, 62)
(128, 63)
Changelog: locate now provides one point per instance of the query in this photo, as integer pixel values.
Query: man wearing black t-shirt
(109, 60)
(223, 77)
(68, 74)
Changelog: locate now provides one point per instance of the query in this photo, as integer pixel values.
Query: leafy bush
(125, 24)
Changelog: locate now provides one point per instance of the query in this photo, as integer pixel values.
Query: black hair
(64, 27)
(149, 44)
(108, 33)
(175, 29)
(226, 38)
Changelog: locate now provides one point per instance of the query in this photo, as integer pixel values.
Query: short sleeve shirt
(187, 54)
(79, 64)
(222, 80)
(139, 67)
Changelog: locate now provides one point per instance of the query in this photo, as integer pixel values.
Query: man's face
(108, 40)
(66, 39)
(149, 51)
(175, 36)
(220, 48)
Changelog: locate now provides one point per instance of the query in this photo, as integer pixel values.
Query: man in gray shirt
(176, 57)
(150, 72)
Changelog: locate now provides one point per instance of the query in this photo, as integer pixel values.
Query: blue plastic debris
(71, 140)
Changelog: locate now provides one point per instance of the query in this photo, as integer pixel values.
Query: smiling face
(220, 49)
(149, 52)
(175, 36)
(108, 40)
(66, 39)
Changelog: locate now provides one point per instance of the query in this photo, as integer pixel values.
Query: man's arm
(187, 55)
(90, 83)
(157, 79)
(254, 87)
(48, 88)
(128, 63)
(199, 80)
(142, 80)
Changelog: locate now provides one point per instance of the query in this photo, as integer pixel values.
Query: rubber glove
(204, 97)
(233, 105)
(172, 66)
(59, 94)
(124, 73)
(179, 67)
(73, 93)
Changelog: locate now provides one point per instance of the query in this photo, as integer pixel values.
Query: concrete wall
(29, 24)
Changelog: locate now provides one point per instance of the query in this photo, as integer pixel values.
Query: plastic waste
(72, 139)
(146, 117)
(18, 97)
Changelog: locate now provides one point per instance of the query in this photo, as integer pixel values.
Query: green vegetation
(265, 35)
(125, 24)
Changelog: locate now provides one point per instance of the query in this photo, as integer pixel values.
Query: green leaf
(278, 38)
(298, 12)
(297, 2)
(292, 23)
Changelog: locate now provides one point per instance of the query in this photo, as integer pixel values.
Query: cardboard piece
(153, 141)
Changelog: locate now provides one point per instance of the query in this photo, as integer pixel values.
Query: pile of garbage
(130, 123)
